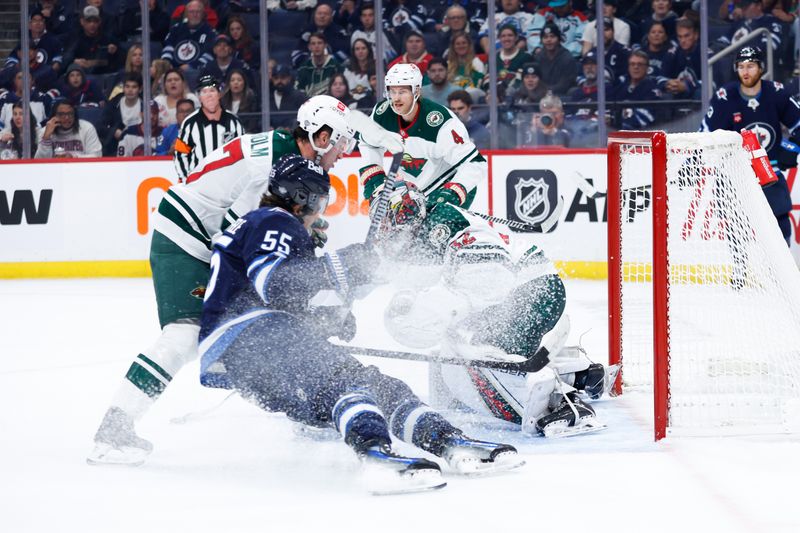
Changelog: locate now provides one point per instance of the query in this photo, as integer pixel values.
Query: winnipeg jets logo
(187, 51)
(765, 132)
(531, 202)
(753, 104)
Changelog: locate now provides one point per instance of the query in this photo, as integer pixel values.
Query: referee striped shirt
(199, 136)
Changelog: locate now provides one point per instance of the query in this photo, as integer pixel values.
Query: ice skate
(387, 472)
(571, 417)
(474, 457)
(116, 442)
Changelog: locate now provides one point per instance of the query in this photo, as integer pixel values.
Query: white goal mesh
(732, 315)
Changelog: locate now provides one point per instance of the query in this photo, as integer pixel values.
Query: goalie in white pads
(479, 298)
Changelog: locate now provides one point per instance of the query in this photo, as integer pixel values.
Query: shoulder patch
(434, 118)
(722, 94)
(382, 107)
(439, 234)
(778, 85)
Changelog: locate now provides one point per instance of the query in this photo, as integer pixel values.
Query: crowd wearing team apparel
(89, 55)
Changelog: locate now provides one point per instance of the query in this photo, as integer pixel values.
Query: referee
(204, 130)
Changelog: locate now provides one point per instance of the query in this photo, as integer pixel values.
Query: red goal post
(703, 294)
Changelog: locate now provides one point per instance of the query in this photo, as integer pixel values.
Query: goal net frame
(702, 287)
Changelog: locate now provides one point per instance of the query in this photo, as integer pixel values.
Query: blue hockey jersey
(764, 114)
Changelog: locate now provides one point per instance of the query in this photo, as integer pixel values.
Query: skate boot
(596, 380)
(116, 442)
(474, 457)
(408, 474)
(571, 417)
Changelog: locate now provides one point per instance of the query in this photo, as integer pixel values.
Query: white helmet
(403, 74)
(324, 110)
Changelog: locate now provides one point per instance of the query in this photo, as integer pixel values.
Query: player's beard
(751, 83)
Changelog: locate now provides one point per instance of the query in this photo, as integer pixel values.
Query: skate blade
(474, 467)
(383, 482)
(560, 429)
(105, 454)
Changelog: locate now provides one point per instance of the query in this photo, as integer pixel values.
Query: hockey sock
(359, 420)
(416, 423)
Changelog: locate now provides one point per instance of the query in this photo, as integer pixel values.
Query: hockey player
(487, 298)
(224, 186)
(257, 322)
(440, 159)
(762, 106)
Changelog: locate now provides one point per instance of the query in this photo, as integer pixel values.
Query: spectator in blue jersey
(510, 9)
(166, 142)
(189, 44)
(681, 75)
(571, 22)
(78, 90)
(336, 38)
(49, 50)
(753, 18)
(40, 103)
(555, 63)
(224, 61)
(58, 20)
(659, 49)
(663, 14)
(636, 86)
(764, 107)
(616, 55)
(405, 16)
(92, 49)
(460, 103)
(43, 75)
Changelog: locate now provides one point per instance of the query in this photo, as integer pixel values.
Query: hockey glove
(372, 178)
(330, 322)
(351, 266)
(318, 232)
(449, 193)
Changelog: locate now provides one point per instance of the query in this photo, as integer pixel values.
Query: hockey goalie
(470, 291)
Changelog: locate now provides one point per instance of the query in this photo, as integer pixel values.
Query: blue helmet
(299, 181)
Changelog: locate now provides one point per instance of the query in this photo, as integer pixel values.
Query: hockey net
(704, 296)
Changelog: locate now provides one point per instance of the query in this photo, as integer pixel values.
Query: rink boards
(92, 218)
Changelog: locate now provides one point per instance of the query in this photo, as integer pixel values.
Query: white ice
(65, 345)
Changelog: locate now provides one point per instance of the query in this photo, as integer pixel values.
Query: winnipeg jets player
(440, 159)
(764, 107)
(256, 321)
(224, 186)
(479, 297)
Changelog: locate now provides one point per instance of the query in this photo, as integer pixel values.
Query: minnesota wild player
(472, 290)
(440, 159)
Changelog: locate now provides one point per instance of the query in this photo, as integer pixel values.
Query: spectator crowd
(88, 73)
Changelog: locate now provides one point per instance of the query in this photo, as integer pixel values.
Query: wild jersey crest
(434, 118)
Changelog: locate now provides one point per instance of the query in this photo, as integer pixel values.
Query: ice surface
(64, 346)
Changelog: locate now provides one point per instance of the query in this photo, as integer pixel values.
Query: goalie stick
(532, 364)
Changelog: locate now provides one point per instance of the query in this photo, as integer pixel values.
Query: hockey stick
(383, 200)
(543, 226)
(202, 413)
(533, 364)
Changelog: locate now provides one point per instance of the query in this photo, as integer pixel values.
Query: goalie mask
(405, 214)
(323, 110)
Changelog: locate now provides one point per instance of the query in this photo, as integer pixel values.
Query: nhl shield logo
(531, 201)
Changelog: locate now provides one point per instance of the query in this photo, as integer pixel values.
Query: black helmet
(299, 181)
(749, 53)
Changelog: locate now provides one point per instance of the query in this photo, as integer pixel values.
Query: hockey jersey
(438, 149)
(228, 184)
(263, 263)
(189, 46)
